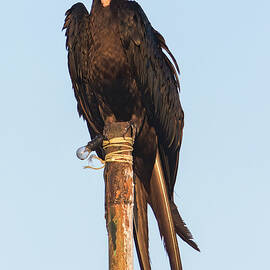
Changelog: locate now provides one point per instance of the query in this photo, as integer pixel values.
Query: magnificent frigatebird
(119, 72)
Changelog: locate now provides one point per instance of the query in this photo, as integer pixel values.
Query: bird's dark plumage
(120, 73)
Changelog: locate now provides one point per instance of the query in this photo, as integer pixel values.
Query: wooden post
(119, 201)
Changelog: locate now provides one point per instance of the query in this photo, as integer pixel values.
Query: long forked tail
(167, 215)
(169, 220)
(161, 206)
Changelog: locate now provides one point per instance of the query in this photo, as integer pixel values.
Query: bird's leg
(84, 151)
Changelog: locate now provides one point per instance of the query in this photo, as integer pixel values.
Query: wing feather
(78, 43)
(157, 78)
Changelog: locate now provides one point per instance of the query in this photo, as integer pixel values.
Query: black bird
(120, 72)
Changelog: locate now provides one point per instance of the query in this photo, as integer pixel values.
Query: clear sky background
(52, 210)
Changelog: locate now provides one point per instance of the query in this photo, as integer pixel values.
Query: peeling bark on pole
(119, 201)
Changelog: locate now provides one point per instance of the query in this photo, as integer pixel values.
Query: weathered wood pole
(119, 199)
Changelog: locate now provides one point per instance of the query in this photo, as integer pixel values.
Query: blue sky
(52, 210)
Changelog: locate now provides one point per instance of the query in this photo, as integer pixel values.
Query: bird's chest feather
(110, 75)
(108, 60)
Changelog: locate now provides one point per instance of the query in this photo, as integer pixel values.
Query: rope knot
(117, 155)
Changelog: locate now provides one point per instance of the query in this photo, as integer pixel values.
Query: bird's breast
(110, 75)
(107, 56)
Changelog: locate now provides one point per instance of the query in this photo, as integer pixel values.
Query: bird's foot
(84, 151)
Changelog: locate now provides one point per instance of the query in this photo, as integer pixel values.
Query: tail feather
(141, 225)
(160, 204)
(169, 220)
(181, 228)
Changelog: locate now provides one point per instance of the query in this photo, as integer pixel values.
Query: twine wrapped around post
(119, 195)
